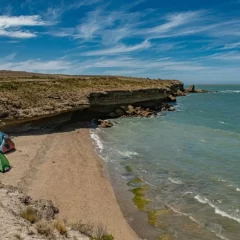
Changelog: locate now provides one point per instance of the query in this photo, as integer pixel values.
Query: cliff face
(130, 97)
(86, 97)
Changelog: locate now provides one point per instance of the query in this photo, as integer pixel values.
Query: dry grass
(44, 228)
(17, 236)
(101, 234)
(29, 214)
(86, 229)
(61, 227)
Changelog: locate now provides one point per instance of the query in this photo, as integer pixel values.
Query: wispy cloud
(107, 26)
(119, 49)
(232, 45)
(9, 57)
(56, 12)
(51, 66)
(229, 56)
(177, 20)
(162, 64)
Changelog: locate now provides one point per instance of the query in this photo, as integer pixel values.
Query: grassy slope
(30, 89)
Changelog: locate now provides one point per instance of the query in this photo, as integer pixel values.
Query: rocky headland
(29, 96)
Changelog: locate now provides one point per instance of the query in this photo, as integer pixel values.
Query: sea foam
(230, 91)
(128, 153)
(176, 181)
(97, 140)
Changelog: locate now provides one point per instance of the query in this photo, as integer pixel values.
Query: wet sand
(63, 167)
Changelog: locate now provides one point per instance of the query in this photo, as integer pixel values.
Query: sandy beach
(63, 167)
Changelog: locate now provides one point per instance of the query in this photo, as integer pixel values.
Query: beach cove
(63, 167)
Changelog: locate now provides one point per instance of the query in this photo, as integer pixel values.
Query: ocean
(187, 162)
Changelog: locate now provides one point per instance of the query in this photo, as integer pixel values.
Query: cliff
(28, 96)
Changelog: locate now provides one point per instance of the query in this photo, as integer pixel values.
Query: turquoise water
(189, 160)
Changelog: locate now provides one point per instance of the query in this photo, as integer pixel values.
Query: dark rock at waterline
(201, 91)
(171, 98)
(131, 111)
(167, 107)
(105, 123)
(139, 112)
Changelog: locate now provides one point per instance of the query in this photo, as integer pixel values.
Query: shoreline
(63, 166)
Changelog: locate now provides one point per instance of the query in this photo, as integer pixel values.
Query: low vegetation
(128, 169)
(83, 228)
(166, 237)
(29, 214)
(61, 227)
(101, 234)
(139, 197)
(44, 228)
(134, 182)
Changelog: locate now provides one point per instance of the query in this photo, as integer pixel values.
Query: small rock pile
(131, 111)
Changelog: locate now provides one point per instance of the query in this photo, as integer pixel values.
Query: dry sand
(63, 167)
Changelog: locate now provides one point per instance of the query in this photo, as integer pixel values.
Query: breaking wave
(217, 210)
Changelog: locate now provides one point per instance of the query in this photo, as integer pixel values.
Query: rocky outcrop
(192, 89)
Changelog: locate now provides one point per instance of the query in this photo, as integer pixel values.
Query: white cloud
(20, 21)
(10, 26)
(119, 49)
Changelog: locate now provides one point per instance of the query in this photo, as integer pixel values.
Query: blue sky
(194, 41)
